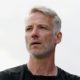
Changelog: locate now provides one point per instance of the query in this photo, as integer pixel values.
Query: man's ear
(58, 37)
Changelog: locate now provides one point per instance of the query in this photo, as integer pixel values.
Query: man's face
(39, 35)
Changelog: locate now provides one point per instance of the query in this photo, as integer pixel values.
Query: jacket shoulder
(68, 76)
(11, 72)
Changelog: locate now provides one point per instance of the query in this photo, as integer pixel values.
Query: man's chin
(39, 55)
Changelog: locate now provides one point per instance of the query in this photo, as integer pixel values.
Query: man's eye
(28, 29)
(42, 27)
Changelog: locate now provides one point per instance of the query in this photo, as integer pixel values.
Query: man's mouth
(35, 43)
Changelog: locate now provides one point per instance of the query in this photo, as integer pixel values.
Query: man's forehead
(38, 16)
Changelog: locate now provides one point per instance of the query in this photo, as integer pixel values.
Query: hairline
(56, 21)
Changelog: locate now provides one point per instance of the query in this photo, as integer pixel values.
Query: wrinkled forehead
(38, 17)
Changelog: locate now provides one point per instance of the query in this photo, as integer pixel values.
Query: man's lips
(35, 43)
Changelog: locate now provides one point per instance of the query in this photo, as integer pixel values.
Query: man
(42, 34)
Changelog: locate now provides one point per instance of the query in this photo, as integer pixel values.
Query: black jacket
(18, 73)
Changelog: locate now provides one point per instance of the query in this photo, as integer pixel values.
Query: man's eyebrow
(29, 25)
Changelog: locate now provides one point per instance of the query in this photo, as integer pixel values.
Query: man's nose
(35, 33)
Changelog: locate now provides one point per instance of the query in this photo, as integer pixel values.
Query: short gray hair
(51, 13)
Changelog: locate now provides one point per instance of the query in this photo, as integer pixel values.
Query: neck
(44, 66)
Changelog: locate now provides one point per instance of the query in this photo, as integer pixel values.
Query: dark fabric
(22, 73)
